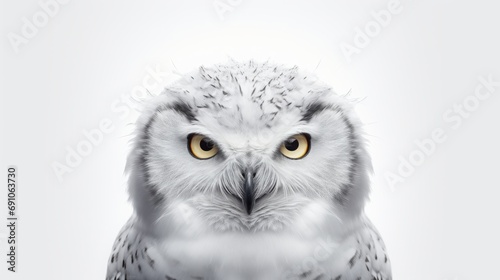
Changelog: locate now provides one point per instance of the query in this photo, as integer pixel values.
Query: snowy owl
(245, 171)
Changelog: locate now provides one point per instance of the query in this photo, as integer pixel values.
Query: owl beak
(248, 193)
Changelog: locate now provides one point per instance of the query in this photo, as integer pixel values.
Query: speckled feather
(189, 222)
(363, 256)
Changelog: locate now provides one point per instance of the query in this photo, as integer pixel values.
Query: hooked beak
(248, 191)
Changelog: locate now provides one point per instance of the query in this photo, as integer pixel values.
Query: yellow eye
(201, 147)
(296, 147)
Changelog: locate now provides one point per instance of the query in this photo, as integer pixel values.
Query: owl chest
(248, 256)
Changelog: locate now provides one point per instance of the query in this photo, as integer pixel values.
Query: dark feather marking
(305, 274)
(353, 260)
(314, 109)
(182, 108)
(239, 87)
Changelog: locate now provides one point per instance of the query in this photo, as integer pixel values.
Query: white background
(442, 222)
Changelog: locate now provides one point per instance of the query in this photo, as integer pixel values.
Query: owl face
(247, 147)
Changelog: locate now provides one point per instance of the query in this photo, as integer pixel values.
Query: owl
(247, 170)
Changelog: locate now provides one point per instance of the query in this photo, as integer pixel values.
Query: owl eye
(201, 147)
(296, 147)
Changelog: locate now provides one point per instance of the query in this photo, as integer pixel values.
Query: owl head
(247, 147)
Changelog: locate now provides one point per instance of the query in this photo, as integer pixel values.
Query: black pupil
(291, 144)
(206, 145)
